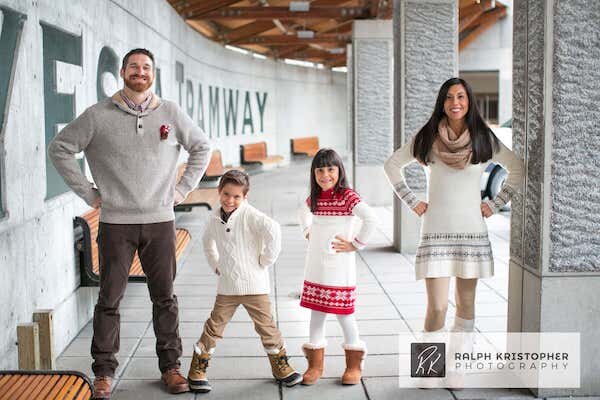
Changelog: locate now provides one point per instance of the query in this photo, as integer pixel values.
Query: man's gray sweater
(133, 168)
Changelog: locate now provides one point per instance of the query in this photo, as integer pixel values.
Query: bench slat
(37, 389)
(44, 385)
(31, 387)
(4, 381)
(84, 394)
(70, 389)
(48, 388)
(59, 384)
(12, 388)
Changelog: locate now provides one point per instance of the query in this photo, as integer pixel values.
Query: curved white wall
(36, 233)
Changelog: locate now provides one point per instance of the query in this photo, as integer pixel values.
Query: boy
(240, 243)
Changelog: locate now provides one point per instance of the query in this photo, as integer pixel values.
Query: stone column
(554, 277)
(372, 107)
(425, 55)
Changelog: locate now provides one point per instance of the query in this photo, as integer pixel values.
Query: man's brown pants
(117, 244)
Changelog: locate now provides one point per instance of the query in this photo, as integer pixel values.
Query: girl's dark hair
(326, 158)
(483, 140)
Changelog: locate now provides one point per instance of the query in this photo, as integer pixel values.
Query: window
(485, 89)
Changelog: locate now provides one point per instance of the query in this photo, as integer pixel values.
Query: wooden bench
(215, 168)
(308, 146)
(47, 385)
(256, 153)
(200, 197)
(87, 248)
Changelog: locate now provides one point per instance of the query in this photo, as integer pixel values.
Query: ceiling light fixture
(305, 34)
(299, 6)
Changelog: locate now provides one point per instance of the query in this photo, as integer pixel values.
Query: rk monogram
(428, 360)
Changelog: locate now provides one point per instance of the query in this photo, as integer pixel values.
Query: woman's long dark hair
(483, 140)
(326, 158)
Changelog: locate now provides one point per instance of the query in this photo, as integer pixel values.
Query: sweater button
(227, 230)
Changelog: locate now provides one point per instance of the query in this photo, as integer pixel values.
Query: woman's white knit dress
(454, 238)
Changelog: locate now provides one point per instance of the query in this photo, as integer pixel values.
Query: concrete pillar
(372, 107)
(425, 55)
(554, 277)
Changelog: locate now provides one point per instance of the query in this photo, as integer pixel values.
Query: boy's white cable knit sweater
(241, 249)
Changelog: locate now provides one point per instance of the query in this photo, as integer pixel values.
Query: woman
(454, 147)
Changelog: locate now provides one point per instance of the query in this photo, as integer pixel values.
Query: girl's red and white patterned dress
(330, 277)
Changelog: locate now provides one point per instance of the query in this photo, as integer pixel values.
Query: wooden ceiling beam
(337, 61)
(481, 25)
(246, 31)
(466, 22)
(477, 8)
(343, 27)
(202, 7)
(286, 40)
(313, 53)
(284, 52)
(262, 13)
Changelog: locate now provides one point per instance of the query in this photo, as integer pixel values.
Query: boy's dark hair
(137, 51)
(235, 177)
(326, 158)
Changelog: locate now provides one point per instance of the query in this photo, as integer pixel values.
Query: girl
(454, 147)
(328, 221)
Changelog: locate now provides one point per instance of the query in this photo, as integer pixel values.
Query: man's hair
(137, 51)
(235, 177)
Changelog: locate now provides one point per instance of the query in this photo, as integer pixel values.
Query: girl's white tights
(347, 322)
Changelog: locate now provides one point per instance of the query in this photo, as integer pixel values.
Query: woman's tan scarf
(455, 151)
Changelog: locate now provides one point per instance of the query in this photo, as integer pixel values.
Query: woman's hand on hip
(486, 211)
(341, 245)
(420, 208)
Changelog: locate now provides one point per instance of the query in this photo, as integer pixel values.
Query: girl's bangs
(328, 159)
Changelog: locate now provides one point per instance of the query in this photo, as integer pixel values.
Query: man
(132, 143)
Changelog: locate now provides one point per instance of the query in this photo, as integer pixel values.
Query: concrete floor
(390, 302)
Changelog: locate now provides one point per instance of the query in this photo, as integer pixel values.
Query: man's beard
(138, 86)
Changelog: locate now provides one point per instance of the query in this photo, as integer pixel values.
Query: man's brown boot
(175, 382)
(315, 365)
(353, 371)
(102, 387)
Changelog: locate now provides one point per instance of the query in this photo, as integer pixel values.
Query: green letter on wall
(107, 62)
(12, 26)
(59, 108)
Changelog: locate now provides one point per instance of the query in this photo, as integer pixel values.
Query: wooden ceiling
(317, 33)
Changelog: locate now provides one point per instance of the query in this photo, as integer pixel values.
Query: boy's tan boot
(282, 371)
(315, 357)
(197, 375)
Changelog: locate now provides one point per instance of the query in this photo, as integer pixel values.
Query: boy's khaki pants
(259, 308)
